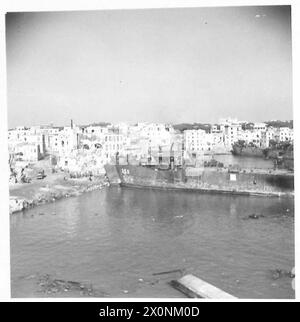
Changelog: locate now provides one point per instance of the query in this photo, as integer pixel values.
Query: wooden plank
(193, 286)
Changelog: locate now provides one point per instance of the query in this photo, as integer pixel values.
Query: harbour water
(117, 238)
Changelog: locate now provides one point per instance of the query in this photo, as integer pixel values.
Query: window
(232, 177)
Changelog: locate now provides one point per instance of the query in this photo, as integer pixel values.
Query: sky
(153, 65)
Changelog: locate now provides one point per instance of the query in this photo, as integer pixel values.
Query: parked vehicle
(41, 175)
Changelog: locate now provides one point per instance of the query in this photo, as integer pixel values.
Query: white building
(27, 140)
(27, 152)
(285, 134)
(200, 141)
(149, 138)
(93, 131)
(268, 135)
(114, 143)
(157, 134)
(251, 137)
(84, 161)
(64, 141)
(231, 129)
(195, 140)
(262, 127)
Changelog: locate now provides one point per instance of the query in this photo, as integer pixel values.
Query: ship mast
(149, 155)
(159, 155)
(172, 157)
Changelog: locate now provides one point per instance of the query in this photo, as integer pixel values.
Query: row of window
(114, 147)
(114, 138)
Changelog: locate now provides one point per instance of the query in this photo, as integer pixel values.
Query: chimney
(71, 124)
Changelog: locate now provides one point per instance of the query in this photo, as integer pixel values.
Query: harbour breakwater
(26, 196)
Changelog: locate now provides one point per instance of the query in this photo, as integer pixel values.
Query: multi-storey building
(200, 141)
(231, 129)
(64, 141)
(28, 143)
(93, 131)
(114, 143)
(195, 140)
(285, 134)
(266, 137)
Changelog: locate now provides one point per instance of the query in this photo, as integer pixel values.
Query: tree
(272, 143)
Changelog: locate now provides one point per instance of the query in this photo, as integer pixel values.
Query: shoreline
(210, 191)
(56, 187)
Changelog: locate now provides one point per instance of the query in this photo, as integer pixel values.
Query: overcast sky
(160, 65)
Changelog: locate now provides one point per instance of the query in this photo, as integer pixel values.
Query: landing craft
(211, 177)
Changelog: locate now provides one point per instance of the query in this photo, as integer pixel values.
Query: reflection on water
(117, 237)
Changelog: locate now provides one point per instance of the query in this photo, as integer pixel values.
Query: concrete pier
(194, 287)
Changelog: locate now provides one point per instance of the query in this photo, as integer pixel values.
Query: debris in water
(41, 214)
(276, 274)
(169, 272)
(153, 282)
(254, 216)
(279, 273)
(49, 285)
(125, 291)
(29, 277)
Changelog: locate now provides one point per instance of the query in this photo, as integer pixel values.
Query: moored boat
(232, 180)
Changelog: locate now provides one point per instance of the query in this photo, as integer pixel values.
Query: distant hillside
(103, 124)
(278, 123)
(195, 126)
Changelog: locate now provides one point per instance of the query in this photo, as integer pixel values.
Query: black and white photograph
(150, 153)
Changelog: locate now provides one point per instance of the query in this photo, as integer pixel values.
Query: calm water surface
(117, 238)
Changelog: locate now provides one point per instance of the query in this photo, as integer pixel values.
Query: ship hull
(212, 180)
